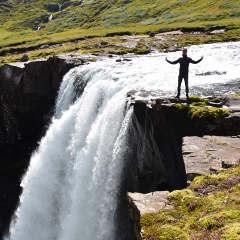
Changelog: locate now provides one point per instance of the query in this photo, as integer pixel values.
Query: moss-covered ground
(209, 209)
(199, 108)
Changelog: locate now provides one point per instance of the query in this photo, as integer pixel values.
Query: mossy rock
(200, 109)
(201, 104)
(224, 175)
(180, 106)
(196, 99)
(207, 112)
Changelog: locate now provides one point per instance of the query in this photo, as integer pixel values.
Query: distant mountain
(61, 15)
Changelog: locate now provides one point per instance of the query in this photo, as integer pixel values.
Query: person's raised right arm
(173, 62)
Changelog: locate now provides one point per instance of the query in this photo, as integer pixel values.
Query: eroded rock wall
(156, 161)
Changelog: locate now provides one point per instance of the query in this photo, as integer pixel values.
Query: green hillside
(29, 14)
(25, 23)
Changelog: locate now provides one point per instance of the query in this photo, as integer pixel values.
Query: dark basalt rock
(155, 138)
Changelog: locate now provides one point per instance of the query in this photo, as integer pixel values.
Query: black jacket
(184, 63)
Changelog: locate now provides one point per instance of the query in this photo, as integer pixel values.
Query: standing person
(183, 70)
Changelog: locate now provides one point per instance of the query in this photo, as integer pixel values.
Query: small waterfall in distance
(71, 186)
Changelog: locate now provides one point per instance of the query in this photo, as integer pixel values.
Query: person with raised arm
(183, 70)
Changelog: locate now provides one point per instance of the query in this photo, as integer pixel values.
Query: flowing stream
(71, 187)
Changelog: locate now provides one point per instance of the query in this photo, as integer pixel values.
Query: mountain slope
(26, 25)
(29, 14)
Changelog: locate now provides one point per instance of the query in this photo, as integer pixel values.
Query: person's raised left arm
(195, 62)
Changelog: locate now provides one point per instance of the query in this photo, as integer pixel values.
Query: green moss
(200, 109)
(219, 219)
(172, 232)
(207, 112)
(180, 196)
(231, 231)
(208, 154)
(208, 209)
(210, 223)
(180, 106)
(201, 104)
(118, 52)
(140, 51)
(172, 217)
(230, 175)
(197, 99)
(164, 232)
(206, 180)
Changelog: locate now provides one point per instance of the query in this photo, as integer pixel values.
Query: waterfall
(70, 188)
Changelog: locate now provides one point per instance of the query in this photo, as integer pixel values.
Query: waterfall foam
(71, 186)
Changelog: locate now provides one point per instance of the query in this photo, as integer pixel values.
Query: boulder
(24, 58)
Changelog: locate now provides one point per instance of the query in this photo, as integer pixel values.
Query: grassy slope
(19, 20)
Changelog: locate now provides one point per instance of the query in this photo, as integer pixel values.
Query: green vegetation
(25, 25)
(208, 209)
(207, 111)
(199, 108)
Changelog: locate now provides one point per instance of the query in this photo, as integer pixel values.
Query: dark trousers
(180, 78)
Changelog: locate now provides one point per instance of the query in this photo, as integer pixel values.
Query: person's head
(184, 52)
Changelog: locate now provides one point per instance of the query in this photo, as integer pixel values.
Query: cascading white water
(70, 189)
(71, 186)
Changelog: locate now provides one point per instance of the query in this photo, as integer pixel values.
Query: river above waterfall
(218, 73)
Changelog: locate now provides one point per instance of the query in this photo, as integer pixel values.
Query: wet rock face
(155, 161)
(28, 94)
